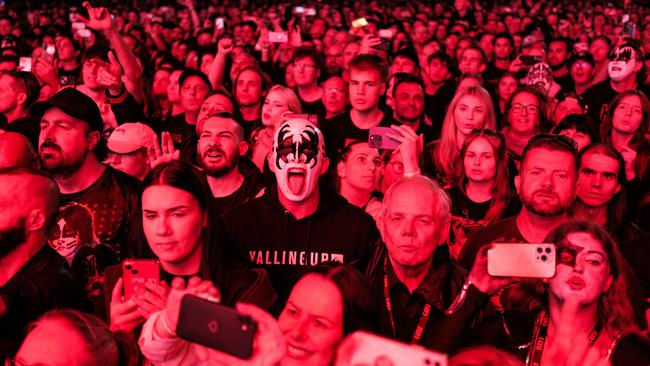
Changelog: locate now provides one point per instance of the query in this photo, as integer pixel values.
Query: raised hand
(98, 18)
(162, 152)
(410, 147)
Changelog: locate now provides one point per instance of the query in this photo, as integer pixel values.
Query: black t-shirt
(340, 129)
(45, 282)
(504, 231)
(183, 134)
(249, 189)
(435, 106)
(92, 225)
(493, 73)
(566, 82)
(598, 98)
(316, 107)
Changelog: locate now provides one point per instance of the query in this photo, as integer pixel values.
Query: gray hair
(443, 202)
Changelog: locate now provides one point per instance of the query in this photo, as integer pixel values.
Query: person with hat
(96, 200)
(127, 149)
(581, 67)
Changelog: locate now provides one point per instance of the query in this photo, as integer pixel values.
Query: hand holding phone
(25, 64)
(521, 260)
(136, 273)
(278, 37)
(377, 138)
(216, 326)
(528, 60)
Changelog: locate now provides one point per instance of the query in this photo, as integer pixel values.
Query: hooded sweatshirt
(265, 234)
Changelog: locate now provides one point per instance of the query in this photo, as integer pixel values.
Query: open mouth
(296, 179)
(297, 352)
(576, 283)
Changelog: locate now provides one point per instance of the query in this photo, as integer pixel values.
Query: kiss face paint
(540, 74)
(621, 63)
(567, 254)
(298, 155)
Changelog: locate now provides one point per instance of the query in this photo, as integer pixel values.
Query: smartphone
(219, 23)
(384, 45)
(298, 9)
(385, 33)
(67, 80)
(530, 60)
(629, 29)
(377, 138)
(102, 64)
(370, 349)
(48, 52)
(521, 260)
(25, 64)
(310, 12)
(216, 326)
(138, 272)
(278, 37)
(361, 22)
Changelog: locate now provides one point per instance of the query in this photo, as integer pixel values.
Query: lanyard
(534, 357)
(419, 329)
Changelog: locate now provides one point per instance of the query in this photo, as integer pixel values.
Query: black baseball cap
(75, 104)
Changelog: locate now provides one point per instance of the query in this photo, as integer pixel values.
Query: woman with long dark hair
(178, 224)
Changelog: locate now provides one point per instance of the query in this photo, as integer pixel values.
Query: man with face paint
(540, 74)
(625, 63)
(33, 277)
(299, 223)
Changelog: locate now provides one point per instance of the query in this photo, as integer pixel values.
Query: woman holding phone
(325, 305)
(178, 225)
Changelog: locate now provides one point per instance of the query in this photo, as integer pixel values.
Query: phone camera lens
(548, 250)
(539, 250)
(128, 267)
(135, 271)
(544, 258)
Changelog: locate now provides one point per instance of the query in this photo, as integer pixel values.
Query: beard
(54, 162)
(11, 238)
(228, 163)
(544, 209)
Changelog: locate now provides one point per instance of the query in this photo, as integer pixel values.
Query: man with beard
(221, 144)
(71, 149)
(33, 277)
(298, 223)
(625, 63)
(558, 54)
(546, 187)
(408, 105)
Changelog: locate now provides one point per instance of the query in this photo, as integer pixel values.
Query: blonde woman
(279, 101)
(470, 109)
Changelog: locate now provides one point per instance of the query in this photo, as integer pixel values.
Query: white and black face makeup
(622, 63)
(298, 156)
(540, 74)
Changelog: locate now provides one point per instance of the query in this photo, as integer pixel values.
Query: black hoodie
(266, 235)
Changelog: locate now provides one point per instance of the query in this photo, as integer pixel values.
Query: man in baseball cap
(127, 149)
(96, 200)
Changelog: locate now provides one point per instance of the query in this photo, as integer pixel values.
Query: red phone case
(138, 272)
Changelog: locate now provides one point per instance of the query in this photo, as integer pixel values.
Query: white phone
(521, 260)
(361, 349)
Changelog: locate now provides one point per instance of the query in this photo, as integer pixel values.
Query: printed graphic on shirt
(292, 257)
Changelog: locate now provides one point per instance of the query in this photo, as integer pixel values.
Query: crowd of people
(324, 168)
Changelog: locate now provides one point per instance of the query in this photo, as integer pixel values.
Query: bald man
(33, 277)
(16, 151)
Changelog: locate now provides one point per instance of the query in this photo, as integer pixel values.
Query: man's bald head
(26, 190)
(16, 151)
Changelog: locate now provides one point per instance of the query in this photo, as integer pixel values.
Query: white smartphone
(25, 64)
(361, 348)
(521, 260)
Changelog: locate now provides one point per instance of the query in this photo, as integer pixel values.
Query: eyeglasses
(333, 91)
(530, 108)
